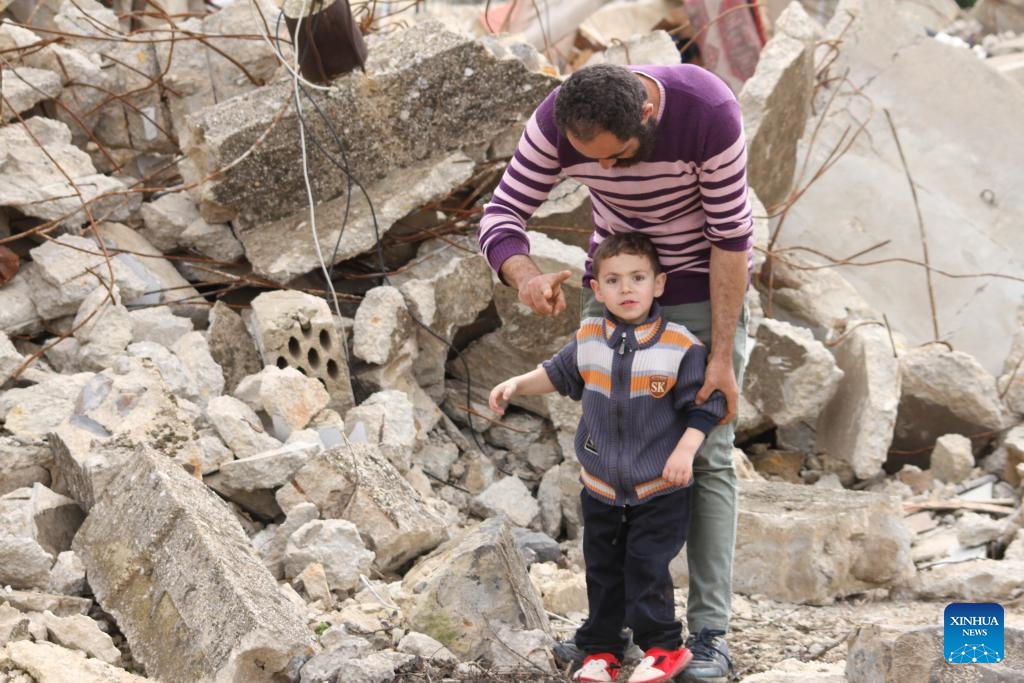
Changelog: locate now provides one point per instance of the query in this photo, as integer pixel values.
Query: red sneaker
(599, 668)
(660, 665)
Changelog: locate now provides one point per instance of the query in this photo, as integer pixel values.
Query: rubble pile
(246, 341)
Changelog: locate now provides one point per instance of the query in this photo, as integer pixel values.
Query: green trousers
(712, 537)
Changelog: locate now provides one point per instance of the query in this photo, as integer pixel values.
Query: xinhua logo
(973, 633)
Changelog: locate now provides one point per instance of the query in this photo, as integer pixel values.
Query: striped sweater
(690, 194)
(637, 384)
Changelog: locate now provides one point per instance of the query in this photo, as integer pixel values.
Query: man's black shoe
(566, 653)
(711, 663)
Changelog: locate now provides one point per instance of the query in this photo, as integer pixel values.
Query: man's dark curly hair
(601, 97)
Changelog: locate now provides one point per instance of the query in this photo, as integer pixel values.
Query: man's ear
(659, 284)
(596, 289)
(647, 112)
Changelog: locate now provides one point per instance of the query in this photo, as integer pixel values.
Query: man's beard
(645, 149)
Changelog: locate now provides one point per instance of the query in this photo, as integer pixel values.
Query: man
(662, 150)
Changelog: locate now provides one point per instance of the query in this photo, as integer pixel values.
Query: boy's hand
(501, 395)
(679, 467)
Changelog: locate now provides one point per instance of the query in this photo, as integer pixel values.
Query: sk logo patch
(973, 633)
(658, 385)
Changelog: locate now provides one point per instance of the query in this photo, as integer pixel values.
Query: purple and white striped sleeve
(526, 183)
(723, 181)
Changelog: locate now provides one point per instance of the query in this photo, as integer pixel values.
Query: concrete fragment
(801, 545)
(382, 324)
(10, 359)
(975, 581)
(655, 47)
(562, 590)
(289, 397)
(102, 328)
(312, 581)
(142, 549)
(776, 102)
(32, 412)
(357, 483)
(158, 324)
(23, 462)
(389, 423)
(856, 426)
(18, 313)
(23, 562)
(212, 240)
(469, 589)
(944, 392)
(333, 666)
(433, 115)
(566, 215)
(172, 289)
(49, 663)
(13, 625)
(333, 543)
(1011, 381)
(36, 601)
(268, 470)
(67, 576)
(790, 376)
(195, 355)
(868, 184)
(952, 458)
(166, 218)
(273, 540)
(508, 496)
(293, 329)
(231, 345)
(178, 379)
(892, 653)
(79, 632)
(1014, 444)
(55, 185)
(422, 645)
(24, 88)
(239, 427)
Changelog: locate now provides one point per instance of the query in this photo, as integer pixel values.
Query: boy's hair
(633, 243)
(599, 98)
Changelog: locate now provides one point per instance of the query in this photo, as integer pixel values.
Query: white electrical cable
(309, 186)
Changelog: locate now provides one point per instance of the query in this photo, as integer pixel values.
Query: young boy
(637, 376)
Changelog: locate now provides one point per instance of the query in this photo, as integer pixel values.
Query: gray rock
(166, 218)
(336, 545)
(23, 462)
(471, 588)
(142, 548)
(102, 328)
(357, 483)
(268, 470)
(382, 325)
(158, 324)
(952, 459)
(332, 666)
(32, 412)
(389, 423)
(79, 632)
(10, 359)
(287, 396)
(508, 496)
(215, 241)
(654, 47)
(1011, 381)
(239, 427)
(944, 392)
(426, 647)
(49, 663)
(231, 346)
(67, 576)
(976, 581)
(36, 601)
(24, 88)
(195, 355)
(18, 313)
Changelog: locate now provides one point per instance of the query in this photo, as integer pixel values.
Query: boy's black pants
(627, 550)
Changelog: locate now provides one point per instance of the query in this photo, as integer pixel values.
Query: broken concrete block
(172, 289)
(790, 376)
(868, 184)
(856, 426)
(212, 240)
(269, 470)
(776, 102)
(390, 424)
(23, 462)
(357, 483)
(566, 215)
(67, 576)
(944, 392)
(524, 339)
(819, 545)
(23, 562)
(294, 329)
(13, 625)
(655, 47)
(563, 591)
(422, 645)
(165, 218)
(549, 502)
(336, 545)
(952, 458)
(217, 65)
(194, 353)
(178, 379)
(1011, 381)
(1014, 444)
(24, 88)
(158, 324)
(331, 665)
(32, 412)
(10, 359)
(508, 496)
(38, 513)
(434, 115)
(239, 427)
(469, 588)
(69, 268)
(49, 663)
(35, 601)
(382, 324)
(102, 328)
(975, 581)
(231, 345)
(79, 632)
(891, 653)
(142, 549)
(18, 313)
(57, 184)
(289, 397)
(273, 540)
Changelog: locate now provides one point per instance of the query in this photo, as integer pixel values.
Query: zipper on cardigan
(622, 344)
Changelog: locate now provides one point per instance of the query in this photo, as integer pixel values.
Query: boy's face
(626, 284)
